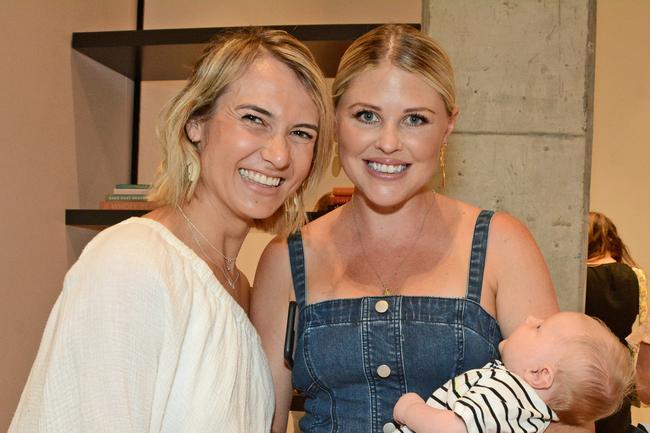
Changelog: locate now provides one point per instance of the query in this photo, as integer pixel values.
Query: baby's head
(576, 364)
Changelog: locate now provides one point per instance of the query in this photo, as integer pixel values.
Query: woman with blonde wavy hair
(150, 332)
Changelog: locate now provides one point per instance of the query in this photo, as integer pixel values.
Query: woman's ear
(540, 378)
(451, 123)
(194, 130)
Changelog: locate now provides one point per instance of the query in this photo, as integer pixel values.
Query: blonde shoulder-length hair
(224, 60)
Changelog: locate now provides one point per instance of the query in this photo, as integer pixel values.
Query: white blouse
(144, 338)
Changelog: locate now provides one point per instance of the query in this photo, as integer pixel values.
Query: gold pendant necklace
(387, 290)
(229, 263)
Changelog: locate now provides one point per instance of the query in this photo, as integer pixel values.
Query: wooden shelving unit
(169, 54)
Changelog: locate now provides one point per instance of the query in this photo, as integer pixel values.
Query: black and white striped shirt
(493, 400)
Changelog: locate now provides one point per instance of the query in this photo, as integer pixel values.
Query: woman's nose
(389, 140)
(276, 152)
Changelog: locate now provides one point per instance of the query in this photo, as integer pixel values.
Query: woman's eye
(303, 134)
(416, 120)
(253, 119)
(366, 116)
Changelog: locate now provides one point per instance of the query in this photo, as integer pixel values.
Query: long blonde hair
(224, 60)
(405, 47)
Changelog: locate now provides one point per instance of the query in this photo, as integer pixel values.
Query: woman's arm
(643, 373)
(522, 282)
(517, 273)
(640, 340)
(97, 363)
(272, 291)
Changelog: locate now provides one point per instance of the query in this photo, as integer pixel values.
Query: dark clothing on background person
(613, 297)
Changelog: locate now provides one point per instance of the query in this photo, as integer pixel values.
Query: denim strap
(297, 260)
(477, 257)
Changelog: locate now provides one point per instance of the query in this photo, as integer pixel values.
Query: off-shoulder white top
(144, 338)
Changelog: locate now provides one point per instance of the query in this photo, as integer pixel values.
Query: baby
(568, 368)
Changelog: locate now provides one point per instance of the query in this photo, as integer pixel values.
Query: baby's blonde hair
(594, 374)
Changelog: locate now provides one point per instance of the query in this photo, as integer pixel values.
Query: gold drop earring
(443, 174)
(336, 162)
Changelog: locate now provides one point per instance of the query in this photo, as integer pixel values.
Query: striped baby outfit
(493, 399)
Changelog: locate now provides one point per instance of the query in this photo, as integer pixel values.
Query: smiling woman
(150, 332)
(257, 145)
(413, 286)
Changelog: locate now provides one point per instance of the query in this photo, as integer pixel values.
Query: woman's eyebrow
(307, 125)
(365, 105)
(409, 110)
(256, 108)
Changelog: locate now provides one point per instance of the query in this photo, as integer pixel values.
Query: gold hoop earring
(443, 174)
(336, 162)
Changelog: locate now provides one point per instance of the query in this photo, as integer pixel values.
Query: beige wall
(620, 186)
(621, 147)
(52, 140)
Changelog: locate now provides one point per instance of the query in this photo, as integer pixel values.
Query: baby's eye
(415, 120)
(367, 116)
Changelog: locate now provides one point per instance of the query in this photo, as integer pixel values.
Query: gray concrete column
(524, 75)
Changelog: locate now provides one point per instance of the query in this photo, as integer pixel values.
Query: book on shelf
(132, 186)
(345, 191)
(338, 200)
(339, 195)
(131, 191)
(126, 197)
(128, 205)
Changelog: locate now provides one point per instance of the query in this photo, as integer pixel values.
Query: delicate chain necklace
(232, 281)
(387, 291)
(229, 262)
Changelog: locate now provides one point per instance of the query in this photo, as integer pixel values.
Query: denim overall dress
(354, 358)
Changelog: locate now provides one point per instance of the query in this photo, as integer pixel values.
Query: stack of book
(128, 196)
(340, 195)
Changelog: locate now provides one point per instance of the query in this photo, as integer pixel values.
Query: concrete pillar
(524, 75)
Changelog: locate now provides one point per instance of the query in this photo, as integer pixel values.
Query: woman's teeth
(256, 177)
(386, 168)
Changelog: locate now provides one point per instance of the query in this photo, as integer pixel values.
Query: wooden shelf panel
(169, 54)
(99, 219)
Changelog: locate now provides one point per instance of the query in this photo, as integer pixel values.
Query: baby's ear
(540, 378)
